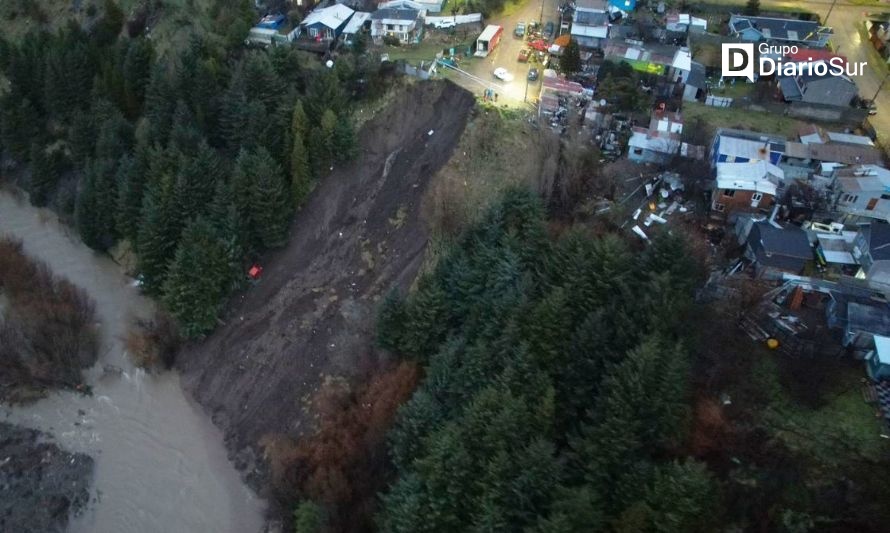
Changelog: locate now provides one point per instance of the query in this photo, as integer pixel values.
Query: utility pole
(830, 9)
(881, 86)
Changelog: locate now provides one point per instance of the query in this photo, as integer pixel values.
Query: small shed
(877, 361)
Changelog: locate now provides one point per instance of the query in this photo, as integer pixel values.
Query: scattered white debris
(636, 229)
(637, 213)
(430, 133)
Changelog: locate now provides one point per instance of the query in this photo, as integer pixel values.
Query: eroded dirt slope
(313, 313)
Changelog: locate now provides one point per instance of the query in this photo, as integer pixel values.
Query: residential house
(862, 193)
(779, 30)
(860, 318)
(404, 24)
(660, 142)
(801, 160)
(590, 23)
(877, 361)
(749, 187)
(738, 146)
(327, 23)
(775, 249)
(871, 249)
(677, 22)
(359, 22)
(681, 66)
(826, 89)
(695, 85)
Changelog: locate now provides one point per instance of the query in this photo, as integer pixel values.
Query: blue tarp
(624, 5)
(271, 22)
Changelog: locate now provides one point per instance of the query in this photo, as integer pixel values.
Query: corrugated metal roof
(847, 154)
(332, 16)
(355, 23)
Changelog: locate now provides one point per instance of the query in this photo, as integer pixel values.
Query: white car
(445, 24)
(502, 74)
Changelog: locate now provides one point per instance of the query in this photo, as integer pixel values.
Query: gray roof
(395, 14)
(877, 235)
(697, 76)
(589, 18)
(776, 28)
(868, 318)
(790, 90)
(786, 248)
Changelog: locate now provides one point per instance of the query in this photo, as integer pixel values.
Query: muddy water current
(160, 464)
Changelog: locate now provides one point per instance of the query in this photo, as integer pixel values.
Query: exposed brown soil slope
(312, 314)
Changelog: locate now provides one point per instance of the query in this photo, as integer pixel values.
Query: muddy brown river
(160, 463)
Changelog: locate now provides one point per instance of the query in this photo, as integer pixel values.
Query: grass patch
(741, 118)
(840, 429)
(415, 52)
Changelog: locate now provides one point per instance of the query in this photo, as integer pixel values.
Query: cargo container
(488, 41)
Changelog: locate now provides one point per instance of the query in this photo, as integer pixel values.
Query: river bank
(42, 484)
(160, 465)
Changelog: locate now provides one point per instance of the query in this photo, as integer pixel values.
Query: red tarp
(255, 272)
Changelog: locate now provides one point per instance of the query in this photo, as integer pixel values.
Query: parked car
(445, 24)
(520, 30)
(533, 74)
(549, 28)
(502, 74)
(523, 55)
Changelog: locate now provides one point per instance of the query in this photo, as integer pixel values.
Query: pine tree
(131, 175)
(197, 280)
(301, 177)
(345, 148)
(270, 201)
(95, 207)
(158, 234)
(309, 517)
(137, 74)
(570, 60)
(44, 175)
(196, 181)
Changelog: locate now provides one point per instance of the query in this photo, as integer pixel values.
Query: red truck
(489, 40)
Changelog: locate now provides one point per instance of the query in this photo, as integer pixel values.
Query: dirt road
(312, 314)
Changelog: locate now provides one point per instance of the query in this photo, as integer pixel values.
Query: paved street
(505, 55)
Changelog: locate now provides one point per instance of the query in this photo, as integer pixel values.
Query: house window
(872, 203)
(885, 197)
(313, 32)
(729, 193)
(638, 151)
(756, 197)
(390, 27)
(849, 198)
(719, 208)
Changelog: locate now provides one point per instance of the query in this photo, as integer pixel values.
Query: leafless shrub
(47, 331)
(153, 343)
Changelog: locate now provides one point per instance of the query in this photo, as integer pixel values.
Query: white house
(590, 23)
(403, 24)
(862, 193)
(326, 23)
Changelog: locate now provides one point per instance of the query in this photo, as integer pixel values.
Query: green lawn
(735, 117)
(844, 428)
